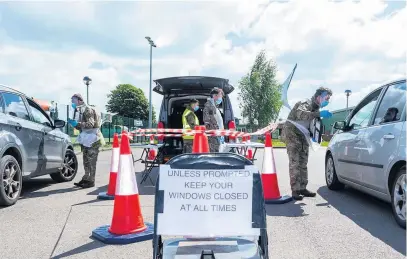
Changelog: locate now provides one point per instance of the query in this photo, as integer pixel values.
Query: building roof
(342, 110)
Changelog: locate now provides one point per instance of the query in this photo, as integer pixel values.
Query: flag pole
(286, 83)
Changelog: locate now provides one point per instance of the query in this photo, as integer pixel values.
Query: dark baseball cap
(192, 101)
(79, 96)
(216, 90)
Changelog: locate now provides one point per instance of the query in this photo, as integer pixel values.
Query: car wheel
(11, 177)
(331, 178)
(69, 169)
(398, 197)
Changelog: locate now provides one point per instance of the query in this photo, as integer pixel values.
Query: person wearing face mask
(213, 119)
(88, 124)
(189, 121)
(303, 113)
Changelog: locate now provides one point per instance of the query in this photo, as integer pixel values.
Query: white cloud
(57, 13)
(365, 49)
(373, 71)
(58, 75)
(296, 25)
(166, 39)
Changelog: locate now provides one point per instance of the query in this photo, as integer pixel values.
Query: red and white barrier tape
(161, 130)
(210, 133)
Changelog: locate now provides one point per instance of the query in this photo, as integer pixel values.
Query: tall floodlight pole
(150, 112)
(347, 93)
(87, 81)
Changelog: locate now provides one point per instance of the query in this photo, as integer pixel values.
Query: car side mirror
(340, 125)
(59, 124)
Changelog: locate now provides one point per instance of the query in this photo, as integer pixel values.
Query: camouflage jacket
(209, 118)
(303, 113)
(88, 119)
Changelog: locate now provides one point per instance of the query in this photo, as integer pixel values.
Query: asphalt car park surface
(55, 220)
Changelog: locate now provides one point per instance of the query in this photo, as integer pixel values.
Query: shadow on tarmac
(290, 209)
(147, 188)
(32, 186)
(87, 202)
(81, 249)
(98, 190)
(369, 213)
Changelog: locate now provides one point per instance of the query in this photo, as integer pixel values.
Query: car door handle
(388, 136)
(17, 126)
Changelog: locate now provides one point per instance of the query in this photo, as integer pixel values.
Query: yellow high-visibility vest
(185, 124)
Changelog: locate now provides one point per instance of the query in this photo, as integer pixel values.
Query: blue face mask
(196, 108)
(73, 105)
(219, 101)
(323, 100)
(324, 103)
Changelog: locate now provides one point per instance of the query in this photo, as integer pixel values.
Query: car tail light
(232, 126)
(160, 125)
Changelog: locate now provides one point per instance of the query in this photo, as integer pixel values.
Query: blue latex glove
(325, 114)
(73, 123)
(221, 139)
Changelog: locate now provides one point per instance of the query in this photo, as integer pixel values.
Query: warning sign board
(206, 202)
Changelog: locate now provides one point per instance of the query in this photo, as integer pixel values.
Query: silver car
(31, 145)
(368, 152)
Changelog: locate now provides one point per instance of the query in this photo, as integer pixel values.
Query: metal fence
(117, 124)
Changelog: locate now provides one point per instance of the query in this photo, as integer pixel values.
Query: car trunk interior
(177, 106)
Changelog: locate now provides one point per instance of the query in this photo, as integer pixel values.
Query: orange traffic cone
(249, 150)
(127, 216)
(152, 153)
(114, 168)
(127, 225)
(200, 143)
(269, 176)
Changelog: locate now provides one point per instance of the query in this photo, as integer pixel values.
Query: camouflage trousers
(213, 144)
(187, 146)
(298, 160)
(90, 157)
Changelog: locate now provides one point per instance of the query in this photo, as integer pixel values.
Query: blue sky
(47, 48)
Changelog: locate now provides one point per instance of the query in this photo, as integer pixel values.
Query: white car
(369, 151)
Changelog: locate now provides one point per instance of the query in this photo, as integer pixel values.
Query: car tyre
(331, 178)
(398, 197)
(69, 169)
(11, 180)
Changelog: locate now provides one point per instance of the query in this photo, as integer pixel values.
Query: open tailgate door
(191, 85)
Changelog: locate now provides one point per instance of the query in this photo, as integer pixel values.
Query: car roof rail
(12, 89)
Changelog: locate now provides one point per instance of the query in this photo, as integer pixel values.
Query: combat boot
(88, 184)
(80, 183)
(307, 193)
(297, 196)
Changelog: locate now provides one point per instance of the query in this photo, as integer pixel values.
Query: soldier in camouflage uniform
(302, 113)
(88, 119)
(189, 121)
(209, 117)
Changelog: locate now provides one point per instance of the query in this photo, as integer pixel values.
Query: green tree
(129, 101)
(260, 92)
